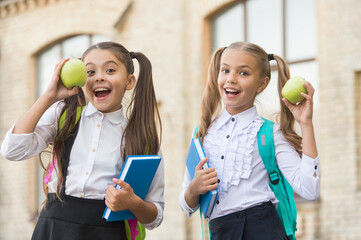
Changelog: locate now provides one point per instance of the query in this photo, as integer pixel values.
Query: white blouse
(232, 149)
(95, 159)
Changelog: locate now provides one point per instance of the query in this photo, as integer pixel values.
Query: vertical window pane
(267, 102)
(45, 67)
(300, 29)
(264, 24)
(228, 27)
(98, 38)
(75, 47)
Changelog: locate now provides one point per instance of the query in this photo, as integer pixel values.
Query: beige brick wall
(339, 35)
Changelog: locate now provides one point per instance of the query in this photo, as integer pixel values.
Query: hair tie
(132, 55)
(270, 57)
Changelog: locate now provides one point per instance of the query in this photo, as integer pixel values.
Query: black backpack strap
(65, 154)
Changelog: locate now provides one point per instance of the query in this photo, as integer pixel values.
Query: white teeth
(100, 89)
(231, 90)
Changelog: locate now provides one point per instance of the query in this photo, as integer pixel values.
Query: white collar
(115, 117)
(243, 118)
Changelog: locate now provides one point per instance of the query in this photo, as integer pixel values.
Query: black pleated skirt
(76, 219)
(256, 223)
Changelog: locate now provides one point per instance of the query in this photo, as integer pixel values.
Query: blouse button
(227, 136)
(93, 150)
(316, 167)
(233, 119)
(217, 202)
(222, 157)
(98, 125)
(100, 114)
(86, 173)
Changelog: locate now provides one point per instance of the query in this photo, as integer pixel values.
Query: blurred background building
(319, 38)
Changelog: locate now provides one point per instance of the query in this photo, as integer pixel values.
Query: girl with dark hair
(89, 153)
(228, 130)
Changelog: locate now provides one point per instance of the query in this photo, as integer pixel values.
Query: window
(283, 27)
(72, 47)
(227, 27)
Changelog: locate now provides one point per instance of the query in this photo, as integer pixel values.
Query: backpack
(134, 230)
(286, 208)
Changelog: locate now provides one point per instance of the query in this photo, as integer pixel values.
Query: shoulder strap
(62, 118)
(266, 149)
(196, 129)
(286, 208)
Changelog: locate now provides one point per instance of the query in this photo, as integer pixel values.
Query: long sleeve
(302, 173)
(182, 202)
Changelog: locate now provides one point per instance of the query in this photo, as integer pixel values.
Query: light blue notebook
(195, 155)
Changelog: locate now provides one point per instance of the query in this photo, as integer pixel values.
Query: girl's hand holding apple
(293, 88)
(57, 90)
(302, 109)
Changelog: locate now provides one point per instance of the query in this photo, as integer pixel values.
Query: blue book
(195, 155)
(138, 171)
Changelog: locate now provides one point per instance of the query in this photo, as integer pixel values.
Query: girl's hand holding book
(204, 179)
(121, 199)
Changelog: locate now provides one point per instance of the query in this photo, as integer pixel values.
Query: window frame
(207, 33)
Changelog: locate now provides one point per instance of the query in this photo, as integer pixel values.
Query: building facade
(178, 36)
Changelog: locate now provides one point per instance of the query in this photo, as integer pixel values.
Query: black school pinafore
(75, 218)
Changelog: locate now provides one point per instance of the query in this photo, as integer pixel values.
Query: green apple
(293, 88)
(73, 73)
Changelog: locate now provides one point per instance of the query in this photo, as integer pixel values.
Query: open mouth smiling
(101, 92)
(231, 91)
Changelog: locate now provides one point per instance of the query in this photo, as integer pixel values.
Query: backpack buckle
(273, 177)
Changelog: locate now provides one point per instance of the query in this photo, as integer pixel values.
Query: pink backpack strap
(51, 168)
(133, 228)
